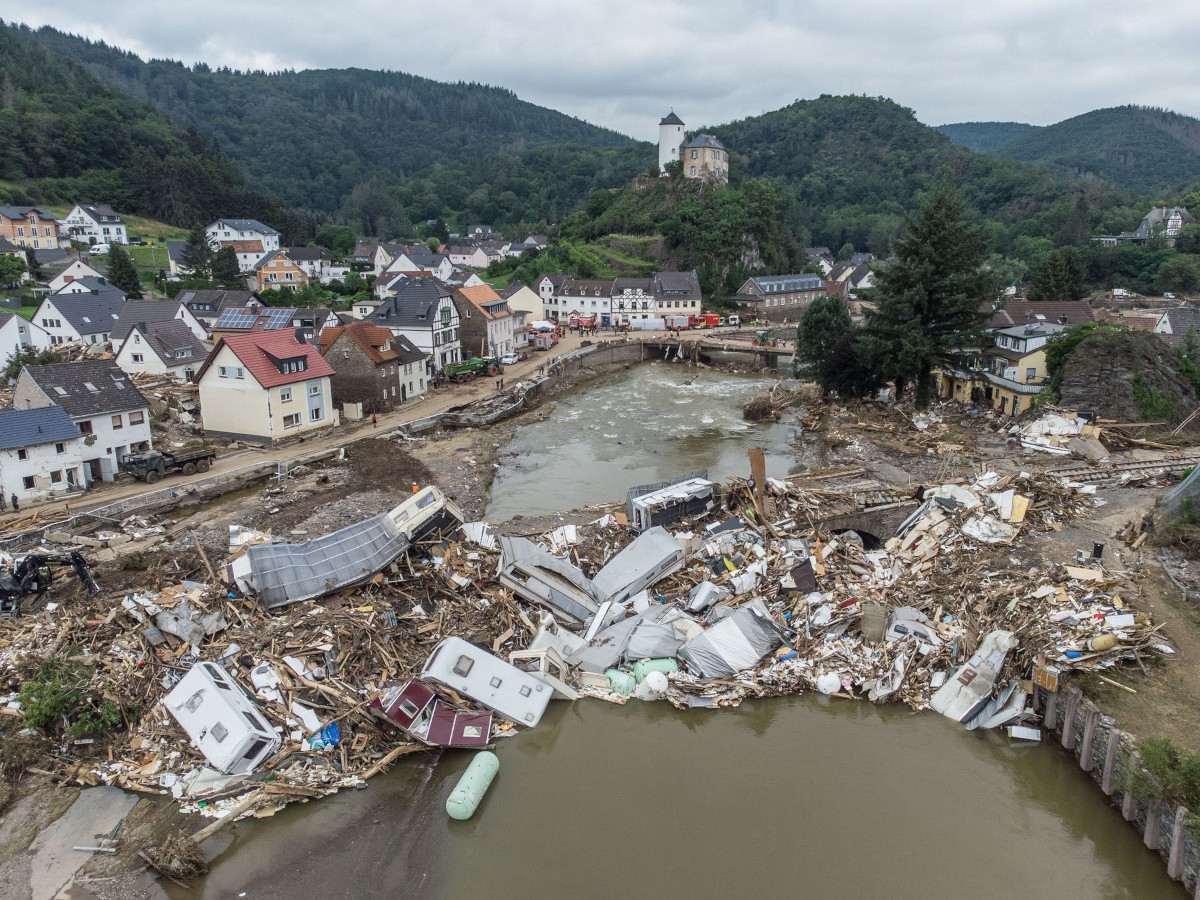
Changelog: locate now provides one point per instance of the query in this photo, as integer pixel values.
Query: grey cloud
(623, 64)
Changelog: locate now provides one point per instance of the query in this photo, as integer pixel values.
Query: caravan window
(409, 708)
(219, 732)
(426, 500)
(255, 749)
(253, 720)
(463, 666)
(525, 691)
(495, 682)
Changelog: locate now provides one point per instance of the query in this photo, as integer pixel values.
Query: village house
(94, 224)
(424, 312)
(470, 255)
(85, 310)
(525, 305)
(486, 322)
(247, 319)
(363, 308)
(1175, 323)
(29, 226)
(676, 293)
(1006, 376)
(41, 453)
(372, 367)
(821, 259)
(1030, 312)
(479, 233)
(111, 413)
(161, 348)
(207, 305)
(16, 334)
(278, 270)
(548, 288)
(135, 311)
(75, 270)
(778, 298)
(314, 262)
(265, 386)
(702, 156)
(176, 267)
(629, 298)
(586, 296)
(250, 239)
(419, 258)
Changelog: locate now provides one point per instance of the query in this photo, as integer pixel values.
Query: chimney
(299, 335)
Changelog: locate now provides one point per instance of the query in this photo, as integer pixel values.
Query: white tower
(670, 139)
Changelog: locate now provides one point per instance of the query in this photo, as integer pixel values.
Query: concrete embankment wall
(1108, 755)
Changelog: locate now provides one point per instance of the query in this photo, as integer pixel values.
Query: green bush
(1169, 772)
(1152, 405)
(59, 700)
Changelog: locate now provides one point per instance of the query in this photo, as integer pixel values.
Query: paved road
(436, 401)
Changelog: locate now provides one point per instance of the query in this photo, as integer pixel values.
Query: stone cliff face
(1127, 376)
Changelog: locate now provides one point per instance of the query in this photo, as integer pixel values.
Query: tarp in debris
(650, 558)
(653, 641)
(279, 574)
(735, 643)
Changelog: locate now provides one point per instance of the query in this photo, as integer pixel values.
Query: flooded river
(649, 424)
(806, 796)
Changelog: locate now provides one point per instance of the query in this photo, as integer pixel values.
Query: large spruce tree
(197, 254)
(820, 328)
(1060, 277)
(932, 296)
(123, 273)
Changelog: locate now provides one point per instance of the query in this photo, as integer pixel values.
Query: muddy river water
(800, 797)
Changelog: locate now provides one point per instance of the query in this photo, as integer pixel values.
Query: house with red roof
(265, 386)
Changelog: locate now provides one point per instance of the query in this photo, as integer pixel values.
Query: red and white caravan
(418, 709)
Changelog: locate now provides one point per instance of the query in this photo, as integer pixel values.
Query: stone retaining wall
(1108, 755)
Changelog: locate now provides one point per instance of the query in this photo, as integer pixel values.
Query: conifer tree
(933, 296)
(821, 326)
(122, 273)
(225, 269)
(197, 254)
(1059, 278)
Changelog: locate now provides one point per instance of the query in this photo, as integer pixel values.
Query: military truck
(151, 465)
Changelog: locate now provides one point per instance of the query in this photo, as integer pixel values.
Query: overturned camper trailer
(665, 502)
(650, 558)
(488, 680)
(281, 574)
(418, 709)
(220, 720)
(540, 577)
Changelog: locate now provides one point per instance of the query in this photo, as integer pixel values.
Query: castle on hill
(702, 156)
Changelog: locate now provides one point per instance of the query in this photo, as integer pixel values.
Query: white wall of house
(220, 232)
(59, 329)
(138, 357)
(500, 335)
(17, 333)
(117, 435)
(77, 269)
(43, 470)
(413, 376)
(232, 402)
(82, 227)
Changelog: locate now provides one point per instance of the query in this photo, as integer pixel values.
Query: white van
(98, 249)
(735, 321)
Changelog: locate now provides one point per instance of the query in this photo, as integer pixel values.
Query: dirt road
(436, 401)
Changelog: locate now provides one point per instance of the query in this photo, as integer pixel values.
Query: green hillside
(983, 137)
(854, 166)
(1152, 151)
(65, 137)
(309, 137)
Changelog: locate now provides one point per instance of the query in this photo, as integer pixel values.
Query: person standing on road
(374, 420)
(16, 503)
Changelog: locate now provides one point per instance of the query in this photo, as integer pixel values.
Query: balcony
(1031, 386)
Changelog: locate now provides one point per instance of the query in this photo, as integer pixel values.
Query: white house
(111, 413)
(94, 225)
(16, 333)
(41, 453)
(85, 310)
(250, 239)
(315, 262)
(77, 269)
(265, 386)
(135, 311)
(424, 312)
(162, 348)
(474, 257)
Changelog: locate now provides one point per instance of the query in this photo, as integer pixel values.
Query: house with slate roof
(372, 366)
(29, 226)
(85, 310)
(161, 348)
(95, 224)
(778, 298)
(1174, 324)
(77, 269)
(250, 239)
(265, 386)
(207, 305)
(16, 334)
(423, 311)
(702, 155)
(111, 413)
(41, 453)
(135, 311)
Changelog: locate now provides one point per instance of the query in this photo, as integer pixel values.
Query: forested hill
(66, 137)
(856, 165)
(309, 137)
(983, 137)
(1152, 151)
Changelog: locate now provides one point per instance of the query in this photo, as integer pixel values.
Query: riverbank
(337, 492)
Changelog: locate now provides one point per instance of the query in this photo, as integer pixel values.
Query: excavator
(33, 573)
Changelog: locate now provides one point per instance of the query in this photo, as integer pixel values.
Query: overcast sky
(625, 63)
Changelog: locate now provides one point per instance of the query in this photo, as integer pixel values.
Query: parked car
(508, 360)
(1167, 295)
(522, 355)
(98, 249)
